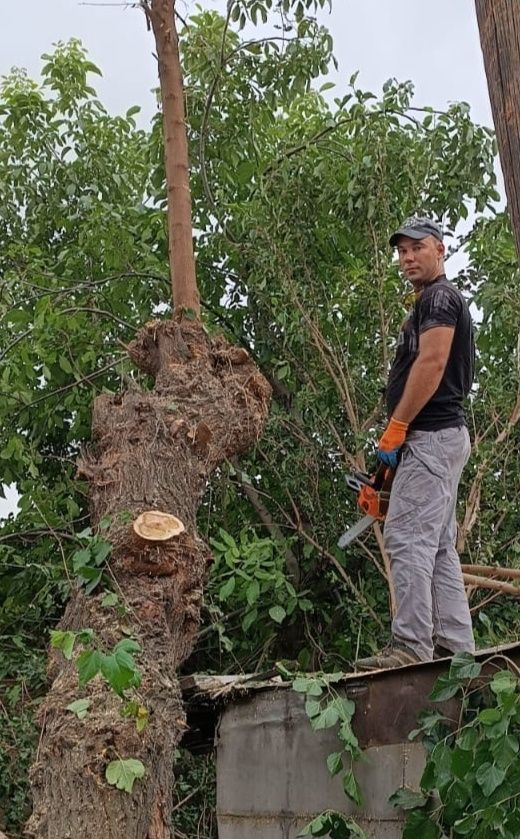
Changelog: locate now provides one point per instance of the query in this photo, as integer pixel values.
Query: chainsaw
(373, 494)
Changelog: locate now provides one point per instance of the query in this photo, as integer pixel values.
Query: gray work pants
(420, 534)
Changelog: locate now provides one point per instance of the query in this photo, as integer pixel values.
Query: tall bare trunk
(150, 451)
(182, 263)
(499, 26)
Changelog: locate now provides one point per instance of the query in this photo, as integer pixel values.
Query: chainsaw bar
(355, 531)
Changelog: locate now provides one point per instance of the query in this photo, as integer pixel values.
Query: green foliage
(294, 196)
(122, 773)
(250, 580)
(79, 707)
(326, 708)
(334, 825)
(118, 666)
(22, 677)
(194, 796)
(88, 562)
(471, 782)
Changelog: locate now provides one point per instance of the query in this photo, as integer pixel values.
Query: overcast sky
(435, 45)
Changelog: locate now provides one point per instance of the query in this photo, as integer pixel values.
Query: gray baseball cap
(417, 227)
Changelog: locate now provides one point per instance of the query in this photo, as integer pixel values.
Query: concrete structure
(272, 777)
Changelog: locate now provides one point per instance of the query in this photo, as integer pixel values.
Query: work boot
(393, 655)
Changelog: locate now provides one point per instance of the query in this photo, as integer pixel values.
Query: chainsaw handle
(383, 475)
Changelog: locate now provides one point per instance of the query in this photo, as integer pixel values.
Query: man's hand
(391, 442)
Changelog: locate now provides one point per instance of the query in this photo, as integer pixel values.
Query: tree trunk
(151, 451)
(180, 234)
(499, 27)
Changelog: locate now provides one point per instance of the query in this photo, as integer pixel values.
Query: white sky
(436, 46)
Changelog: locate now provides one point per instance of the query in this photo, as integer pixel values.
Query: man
(427, 438)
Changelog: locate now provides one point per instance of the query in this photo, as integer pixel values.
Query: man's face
(421, 260)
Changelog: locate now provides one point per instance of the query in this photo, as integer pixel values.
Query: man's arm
(426, 372)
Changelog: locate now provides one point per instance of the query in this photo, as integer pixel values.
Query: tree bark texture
(150, 451)
(180, 234)
(499, 25)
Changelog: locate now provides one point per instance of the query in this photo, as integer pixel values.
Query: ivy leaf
(122, 773)
(79, 707)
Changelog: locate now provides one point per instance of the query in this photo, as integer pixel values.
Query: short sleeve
(441, 307)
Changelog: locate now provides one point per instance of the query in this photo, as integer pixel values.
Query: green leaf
(464, 666)
(249, 619)
(407, 799)
(465, 825)
(335, 763)
(444, 688)
(490, 716)
(312, 708)
(227, 589)
(110, 599)
(80, 558)
(489, 777)
(127, 645)
(253, 592)
(462, 762)
(277, 613)
(101, 550)
(120, 671)
(65, 364)
(420, 826)
(503, 682)
(64, 641)
(327, 718)
(351, 788)
(122, 773)
(88, 664)
(79, 707)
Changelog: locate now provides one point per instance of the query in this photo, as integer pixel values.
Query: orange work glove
(391, 442)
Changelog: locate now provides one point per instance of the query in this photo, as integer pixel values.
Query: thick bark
(180, 235)
(499, 26)
(150, 451)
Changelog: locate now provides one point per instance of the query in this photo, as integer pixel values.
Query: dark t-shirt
(440, 304)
